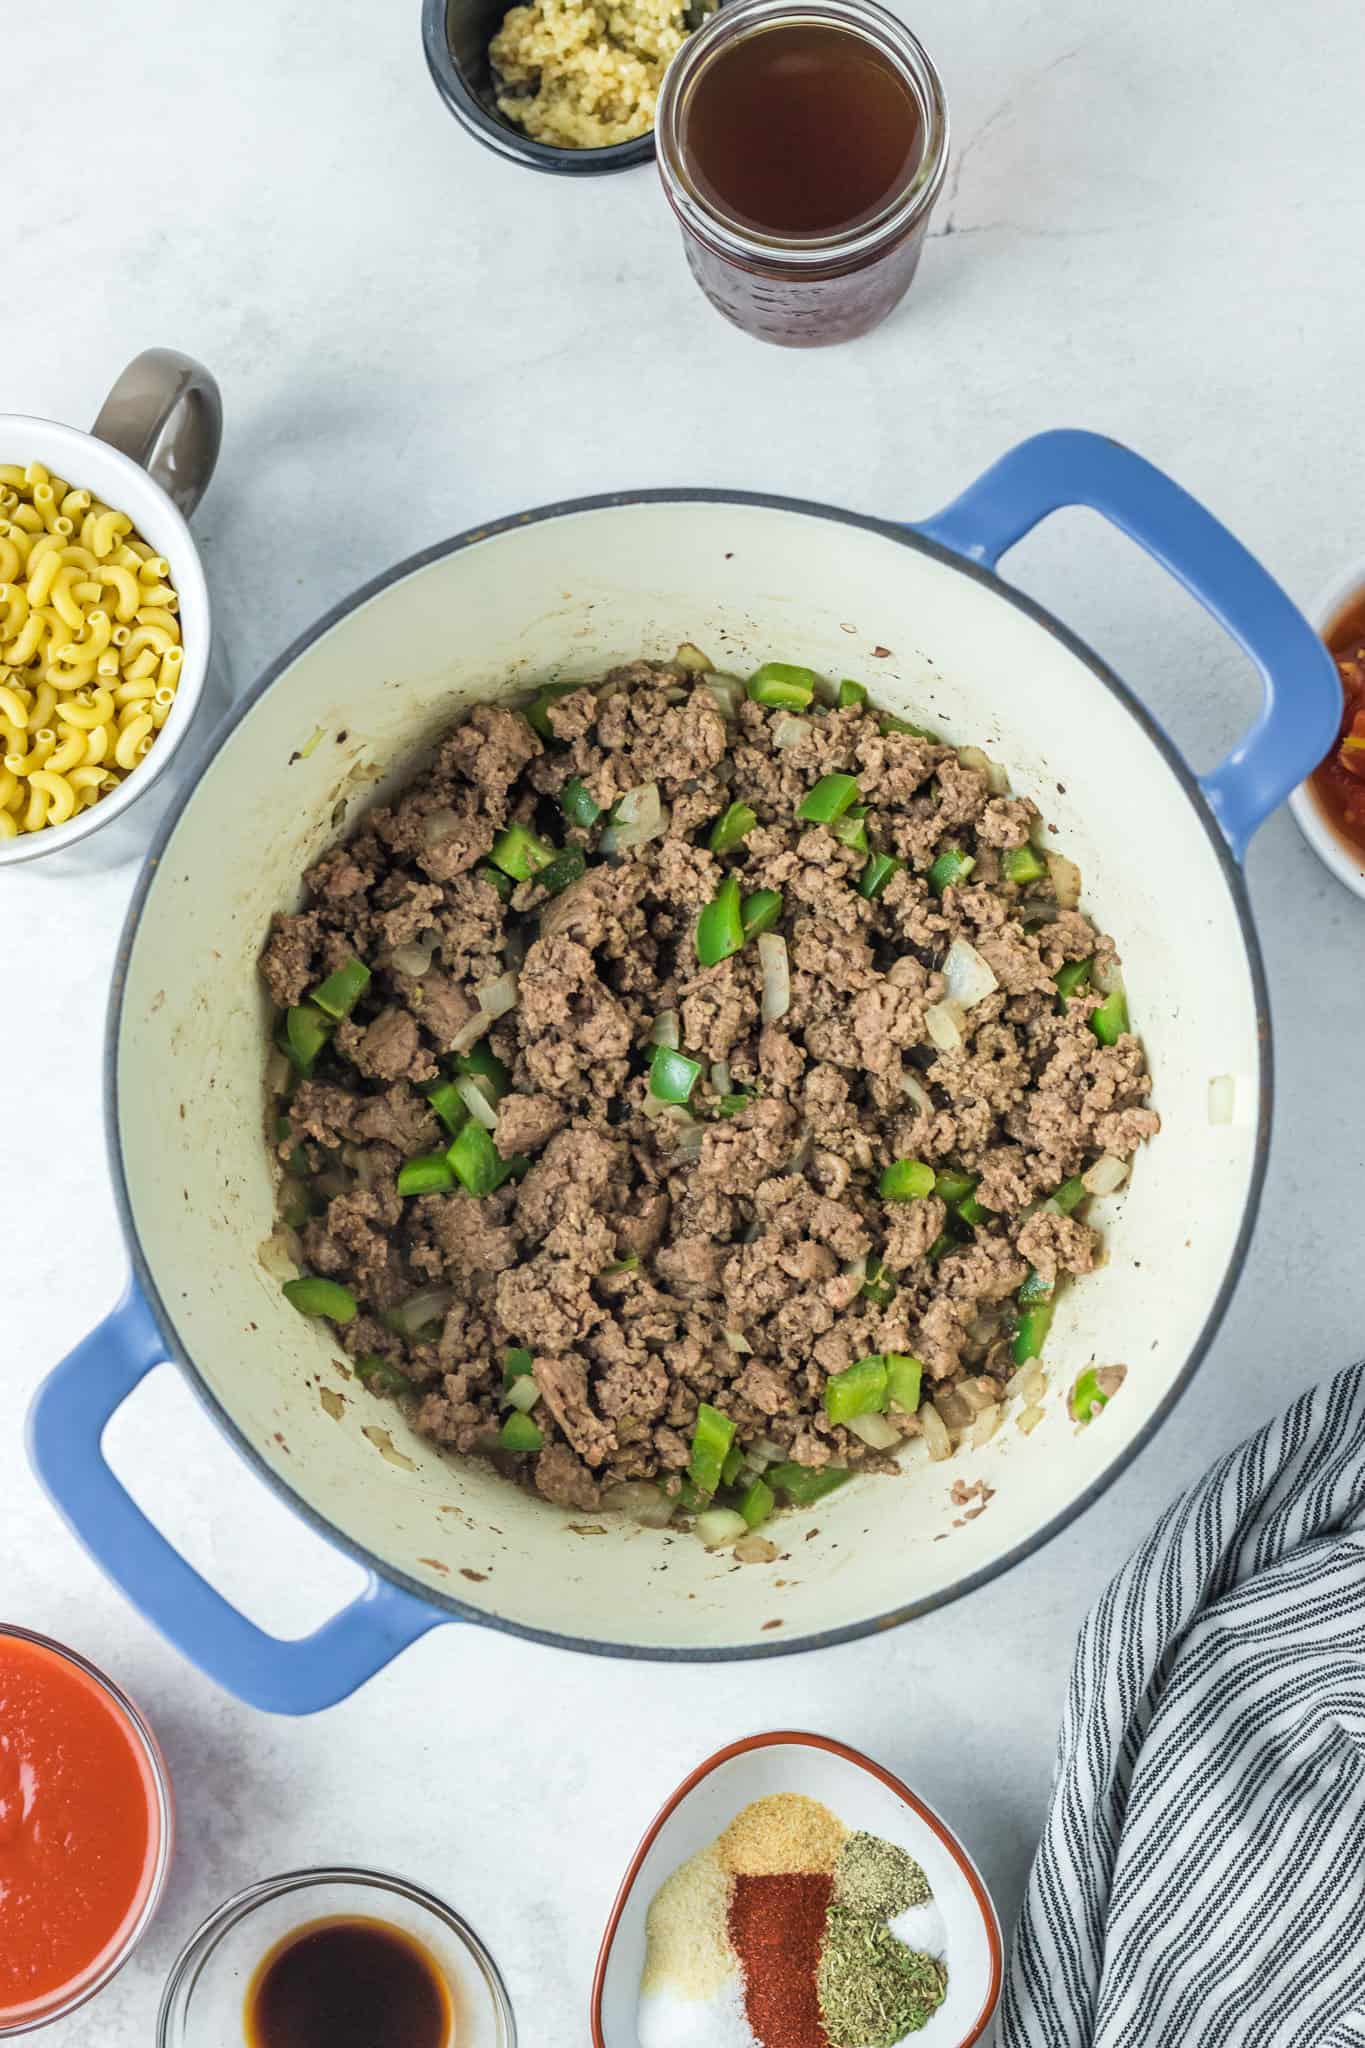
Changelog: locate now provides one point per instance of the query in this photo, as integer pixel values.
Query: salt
(664, 2019)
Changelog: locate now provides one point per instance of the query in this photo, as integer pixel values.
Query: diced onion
(719, 1526)
(728, 693)
(1029, 1419)
(1065, 877)
(414, 957)
(953, 1408)
(945, 1024)
(1106, 1176)
(422, 1308)
(979, 1395)
(935, 1433)
(469, 1034)
(777, 987)
(765, 1448)
(985, 1426)
(333, 1182)
(738, 1342)
(970, 978)
(720, 1076)
(475, 1100)
(438, 824)
(787, 730)
(1222, 1098)
(641, 1500)
(691, 1137)
(277, 1072)
(666, 1030)
(639, 816)
(997, 776)
(1029, 1383)
(1106, 974)
(606, 845)
(497, 997)
(692, 659)
(659, 1111)
(875, 1431)
(917, 1092)
(756, 1549)
(523, 1393)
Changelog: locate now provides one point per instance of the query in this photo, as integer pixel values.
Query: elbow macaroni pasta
(90, 653)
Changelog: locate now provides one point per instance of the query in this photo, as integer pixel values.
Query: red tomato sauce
(1339, 781)
(80, 1828)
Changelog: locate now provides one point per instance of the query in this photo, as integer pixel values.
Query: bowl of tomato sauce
(86, 1829)
(1330, 806)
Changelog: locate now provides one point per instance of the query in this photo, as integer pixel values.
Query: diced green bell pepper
(733, 825)
(851, 693)
(878, 872)
(906, 1180)
(851, 829)
(828, 800)
(385, 1378)
(340, 993)
(805, 1484)
(903, 1377)
(859, 1390)
(570, 865)
(711, 1440)
(536, 712)
(672, 1075)
(519, 1433)
(952, 867)
(1023, 864)
(306, 1031)
(1071, 979)
(1110, 1021)
(757, 1502)
(1071, 1194)
(447, 1103)
(782, 683)
(720, 927)
(429, 1174)
(1031, 1335)
(520, 853)
(761, 911)
(1087, 1397)
(879, 1284)
(577, 802)
(313, 1296)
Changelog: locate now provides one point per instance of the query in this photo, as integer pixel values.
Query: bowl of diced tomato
(1330, 805)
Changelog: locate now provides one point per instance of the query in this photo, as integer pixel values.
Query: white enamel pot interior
(345, 717)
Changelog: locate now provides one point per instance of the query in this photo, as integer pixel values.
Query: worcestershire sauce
(348, 1983)
(801, 130)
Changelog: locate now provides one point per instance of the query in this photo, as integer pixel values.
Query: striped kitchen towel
(1201, 1881)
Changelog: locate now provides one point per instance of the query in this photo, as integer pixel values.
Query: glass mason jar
(806, 290)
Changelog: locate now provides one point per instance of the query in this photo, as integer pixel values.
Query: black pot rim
(499, 136)
(447, 1604)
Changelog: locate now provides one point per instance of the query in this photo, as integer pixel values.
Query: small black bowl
(455, 37)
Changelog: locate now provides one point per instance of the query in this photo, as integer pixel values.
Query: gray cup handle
(166, 412)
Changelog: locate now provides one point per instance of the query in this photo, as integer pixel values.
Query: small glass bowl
(204, 2001)
(68, 1997)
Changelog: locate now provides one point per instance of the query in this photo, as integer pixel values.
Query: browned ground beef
(758, 1224)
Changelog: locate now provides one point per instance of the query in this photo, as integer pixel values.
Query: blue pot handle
(66, 1425)
(1302, 707)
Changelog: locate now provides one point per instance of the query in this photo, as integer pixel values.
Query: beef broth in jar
(802, 149)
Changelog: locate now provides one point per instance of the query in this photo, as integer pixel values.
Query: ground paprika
(776, 1925)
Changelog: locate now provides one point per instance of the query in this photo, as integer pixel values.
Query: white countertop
(1155, 221)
